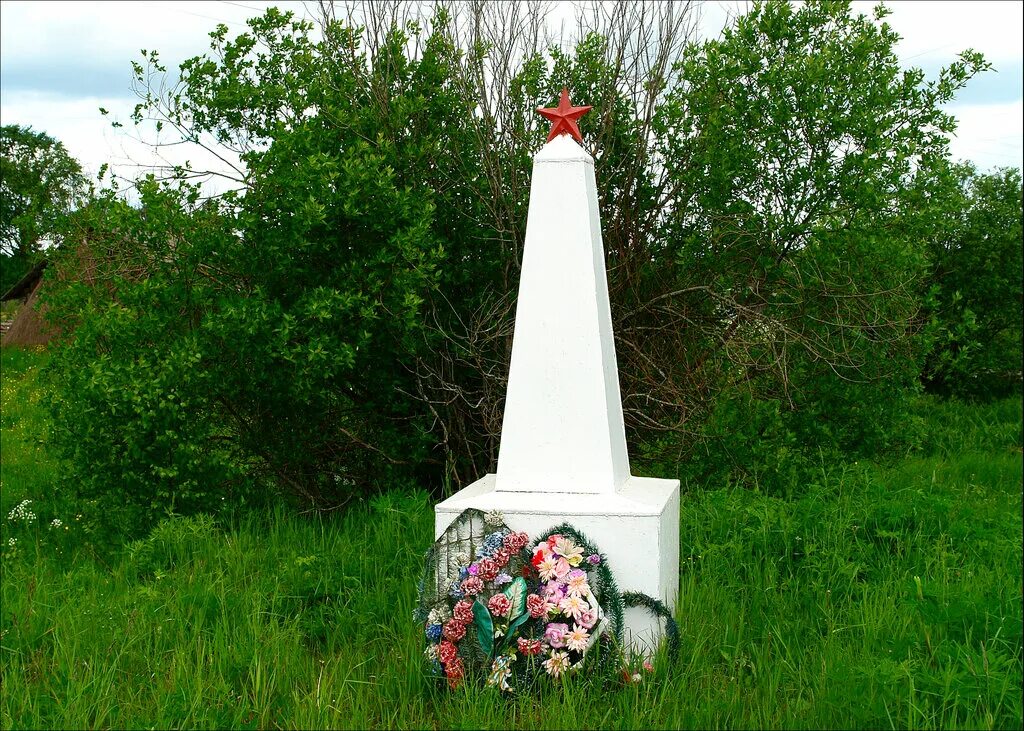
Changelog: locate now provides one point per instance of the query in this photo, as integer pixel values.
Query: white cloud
(90, 138)
(939, 30)
(990, 135)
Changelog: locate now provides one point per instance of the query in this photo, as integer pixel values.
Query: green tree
(977, 272)
(39, 183)
(793, 273)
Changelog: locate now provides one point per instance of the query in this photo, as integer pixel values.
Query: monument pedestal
(636, 528)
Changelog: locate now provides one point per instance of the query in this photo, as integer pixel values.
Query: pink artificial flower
(521, 540)
(593, 559)
(501, 556)
(562, 568)
(473, 585)
(473, 569)
(509, 542)
(555, 634)
(536, 605)
(588, 619)
(573, 605)
(463, 612)
(552, 539)
(454, 630)
(548, 568)
(489, 568)
(446, 651)
(577, 638)
(499, 604)
(557, 664)
(553, 592)
(576, 582)
(648, 667)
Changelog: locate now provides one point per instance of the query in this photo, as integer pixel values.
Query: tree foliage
(978, 275)
(342, 318)
(39, 183)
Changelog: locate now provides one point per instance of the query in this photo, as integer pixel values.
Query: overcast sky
(61, 61)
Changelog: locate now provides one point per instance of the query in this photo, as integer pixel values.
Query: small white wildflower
(22, 511)
(56, 523)
(12, 542)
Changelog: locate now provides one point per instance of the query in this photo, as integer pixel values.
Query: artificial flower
(454, 630)
(573, 605)
(499, 604)
(568, 550)
(553, 591)
(593, 559)
(439, 614)
(446, 651)
(474, 569)
(502, 579)
(577, 638)
(433, 632)
(557, 664)
(455, 671)
(501, 669)
(588, 618)
(554, 635)
(540, 555)
(562, 568)
(529, 647)
(488, 569)
(548, 568)
(473, 585)
(463, 612)
(536, 605)
(501, 556)
(576, 582)
(493, 517)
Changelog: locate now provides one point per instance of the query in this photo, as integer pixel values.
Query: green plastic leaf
(484, 627)
(515, 624)
(516, 592)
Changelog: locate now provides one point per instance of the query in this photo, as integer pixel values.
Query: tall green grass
(883, 597)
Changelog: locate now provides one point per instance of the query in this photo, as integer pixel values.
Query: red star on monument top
(563, 117)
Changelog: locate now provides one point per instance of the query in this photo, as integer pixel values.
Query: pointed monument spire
(563, 429)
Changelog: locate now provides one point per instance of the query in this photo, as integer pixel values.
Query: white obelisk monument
(563, 453)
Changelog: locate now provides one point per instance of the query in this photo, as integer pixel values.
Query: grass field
(884, 597)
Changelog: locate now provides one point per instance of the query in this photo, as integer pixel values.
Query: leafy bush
(978, 273)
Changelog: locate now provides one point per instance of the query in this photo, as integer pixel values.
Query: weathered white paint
(562, 427)
(563, 454)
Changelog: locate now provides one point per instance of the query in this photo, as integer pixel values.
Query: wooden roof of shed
(24, 286)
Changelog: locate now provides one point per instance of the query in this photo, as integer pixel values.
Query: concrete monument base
(636, 528)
